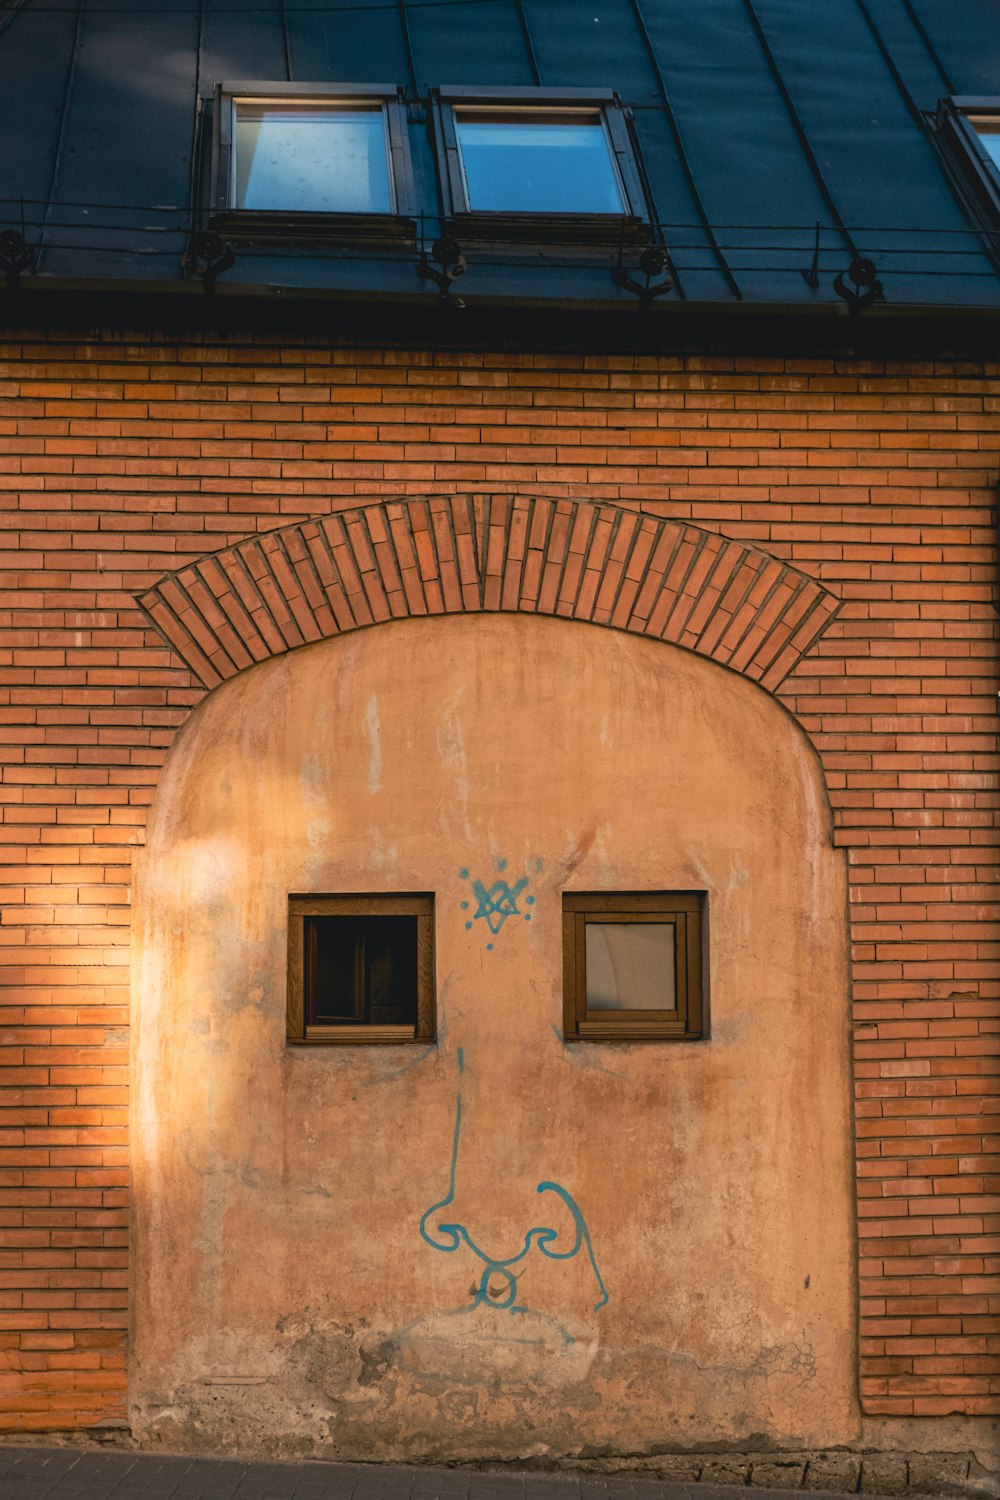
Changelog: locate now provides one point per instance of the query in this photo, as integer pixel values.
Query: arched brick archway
(576, 559)
(284, 1187)
(397, 773)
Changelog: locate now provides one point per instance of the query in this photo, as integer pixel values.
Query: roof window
(538, 164)
(310, 157)
(537, 161)
(969, 128)
(306, 156)
(987, 127)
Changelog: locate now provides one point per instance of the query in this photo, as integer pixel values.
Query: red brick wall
(122, 460)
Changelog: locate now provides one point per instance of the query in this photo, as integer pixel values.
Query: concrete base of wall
(972, 1473)
(843, 1471)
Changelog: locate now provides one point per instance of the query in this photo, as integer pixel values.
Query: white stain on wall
(374, 730)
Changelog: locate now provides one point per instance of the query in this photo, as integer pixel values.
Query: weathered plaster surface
(284, 1294)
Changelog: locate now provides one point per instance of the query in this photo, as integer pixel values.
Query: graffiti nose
(443, 1230)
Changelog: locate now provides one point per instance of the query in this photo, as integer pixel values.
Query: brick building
(742, 411)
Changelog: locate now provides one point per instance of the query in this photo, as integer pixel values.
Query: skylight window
(311, 157)
(538, 166)
(537, 161)
(969, 132)
(987, 127)
(315, 159)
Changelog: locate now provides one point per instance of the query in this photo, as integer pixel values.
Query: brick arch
(575, 559)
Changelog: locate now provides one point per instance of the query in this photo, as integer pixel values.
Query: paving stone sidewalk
(75, 1474)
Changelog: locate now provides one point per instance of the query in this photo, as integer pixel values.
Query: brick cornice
(574, 559)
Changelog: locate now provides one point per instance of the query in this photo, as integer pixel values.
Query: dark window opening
(360, 968)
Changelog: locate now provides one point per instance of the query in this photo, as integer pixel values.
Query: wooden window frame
(299, 1028)
(294, 224)
(686, 911)
(531, 228)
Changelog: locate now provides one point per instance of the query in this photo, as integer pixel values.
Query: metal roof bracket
(653, 262)
(16, 257)
(447, 253)
(866, 289)
(207, 256)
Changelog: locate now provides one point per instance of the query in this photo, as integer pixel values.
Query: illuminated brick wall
(125, 460)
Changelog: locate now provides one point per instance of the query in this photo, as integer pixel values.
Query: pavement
(30, 1473)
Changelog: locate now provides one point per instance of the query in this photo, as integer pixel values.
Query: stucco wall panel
(280, 1271)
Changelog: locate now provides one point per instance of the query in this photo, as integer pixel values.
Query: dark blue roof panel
(479, 42)
(242, 43)
(742, 142)
(965, 35)
(340, 43)
(761, 128)
(596, 45)
(39, 49)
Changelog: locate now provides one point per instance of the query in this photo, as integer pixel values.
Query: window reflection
(630, 966)
(521, 162)
(361, 969)
(987, 127)
(311, 158)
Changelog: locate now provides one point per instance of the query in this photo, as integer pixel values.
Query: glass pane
(311, 158)
(988, 131)
(630, 966)
(534, 165)
(362, 970)
(332, 989)
(391, 971)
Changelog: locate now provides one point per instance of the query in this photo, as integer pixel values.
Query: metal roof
(765, 127)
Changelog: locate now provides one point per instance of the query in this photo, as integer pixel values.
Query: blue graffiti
(451, 1236)
(498, 903)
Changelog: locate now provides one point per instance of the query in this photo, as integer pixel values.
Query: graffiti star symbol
(499, 902)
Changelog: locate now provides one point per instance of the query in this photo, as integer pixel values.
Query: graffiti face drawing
(446, 1237)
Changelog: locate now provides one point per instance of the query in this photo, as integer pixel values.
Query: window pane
(391, 971)
(630, 966)
(311, 158)
(362, 970)
(334, 993)
(988, 130)
(532, 165)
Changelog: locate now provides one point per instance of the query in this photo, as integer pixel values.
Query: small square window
(633, 966)
(306, 157)
(969, 128)
(360, 969)
(538, 164)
